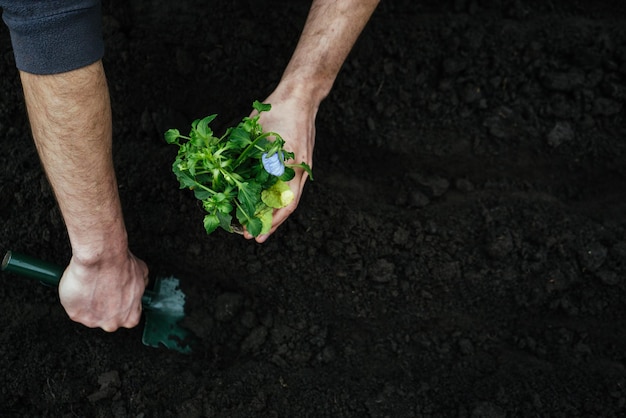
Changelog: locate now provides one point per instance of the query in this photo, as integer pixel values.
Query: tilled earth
(461, 252)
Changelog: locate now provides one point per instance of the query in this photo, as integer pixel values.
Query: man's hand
(293, 117)
(329, 33)
(70, 116)
(105, 294)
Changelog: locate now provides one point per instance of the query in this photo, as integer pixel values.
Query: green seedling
(242, 174)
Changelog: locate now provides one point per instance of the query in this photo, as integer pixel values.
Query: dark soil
(461, 252)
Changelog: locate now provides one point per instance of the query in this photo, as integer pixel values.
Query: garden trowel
(163, 305)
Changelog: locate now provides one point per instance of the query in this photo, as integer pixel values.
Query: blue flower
(273, 164)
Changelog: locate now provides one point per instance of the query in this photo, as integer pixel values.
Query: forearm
(71, 123)
(331, 29)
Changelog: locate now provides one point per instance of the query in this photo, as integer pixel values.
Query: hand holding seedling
(242, 173)
(294, 118)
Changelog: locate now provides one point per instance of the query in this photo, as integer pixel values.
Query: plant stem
(241, 210)
(202, 186)
(253, 144)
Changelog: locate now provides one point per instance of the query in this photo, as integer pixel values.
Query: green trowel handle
(32, 268)
(45, 272)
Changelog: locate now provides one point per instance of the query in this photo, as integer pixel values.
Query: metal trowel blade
(164, 308)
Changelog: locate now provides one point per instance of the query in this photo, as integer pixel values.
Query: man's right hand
(105, 294)
(70, 116)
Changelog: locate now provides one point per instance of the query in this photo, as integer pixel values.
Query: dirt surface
(461, 253)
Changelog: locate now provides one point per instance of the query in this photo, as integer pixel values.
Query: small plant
(243, 172)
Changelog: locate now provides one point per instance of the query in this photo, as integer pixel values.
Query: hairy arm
(331, 29)
(70, 117)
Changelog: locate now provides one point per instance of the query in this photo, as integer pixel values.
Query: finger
(280, 216)
(134, 317)
(109, 327)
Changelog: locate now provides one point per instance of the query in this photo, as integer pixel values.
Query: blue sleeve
(54, 36)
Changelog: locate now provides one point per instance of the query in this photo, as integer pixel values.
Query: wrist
(97, 247)
(309, 88)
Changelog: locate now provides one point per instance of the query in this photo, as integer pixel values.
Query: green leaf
(196, 140)
(254, 226)
(276, 146)
(186, 181)
(248, 196)
(277, 196)
(261, 107)
(239, 138)
(288, 174)
(217, 202)
(202, 127)
(266, 216)
(263, 176)
(242, 217)
(171, 136)
(225, 221)
(192, 159)
(202, 194)
(222, 203)
(305, 167)
(250, 125)
(211, 222)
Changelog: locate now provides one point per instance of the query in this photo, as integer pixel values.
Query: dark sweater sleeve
(54, 36)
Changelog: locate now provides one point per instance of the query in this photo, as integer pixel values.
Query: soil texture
(461, 252)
